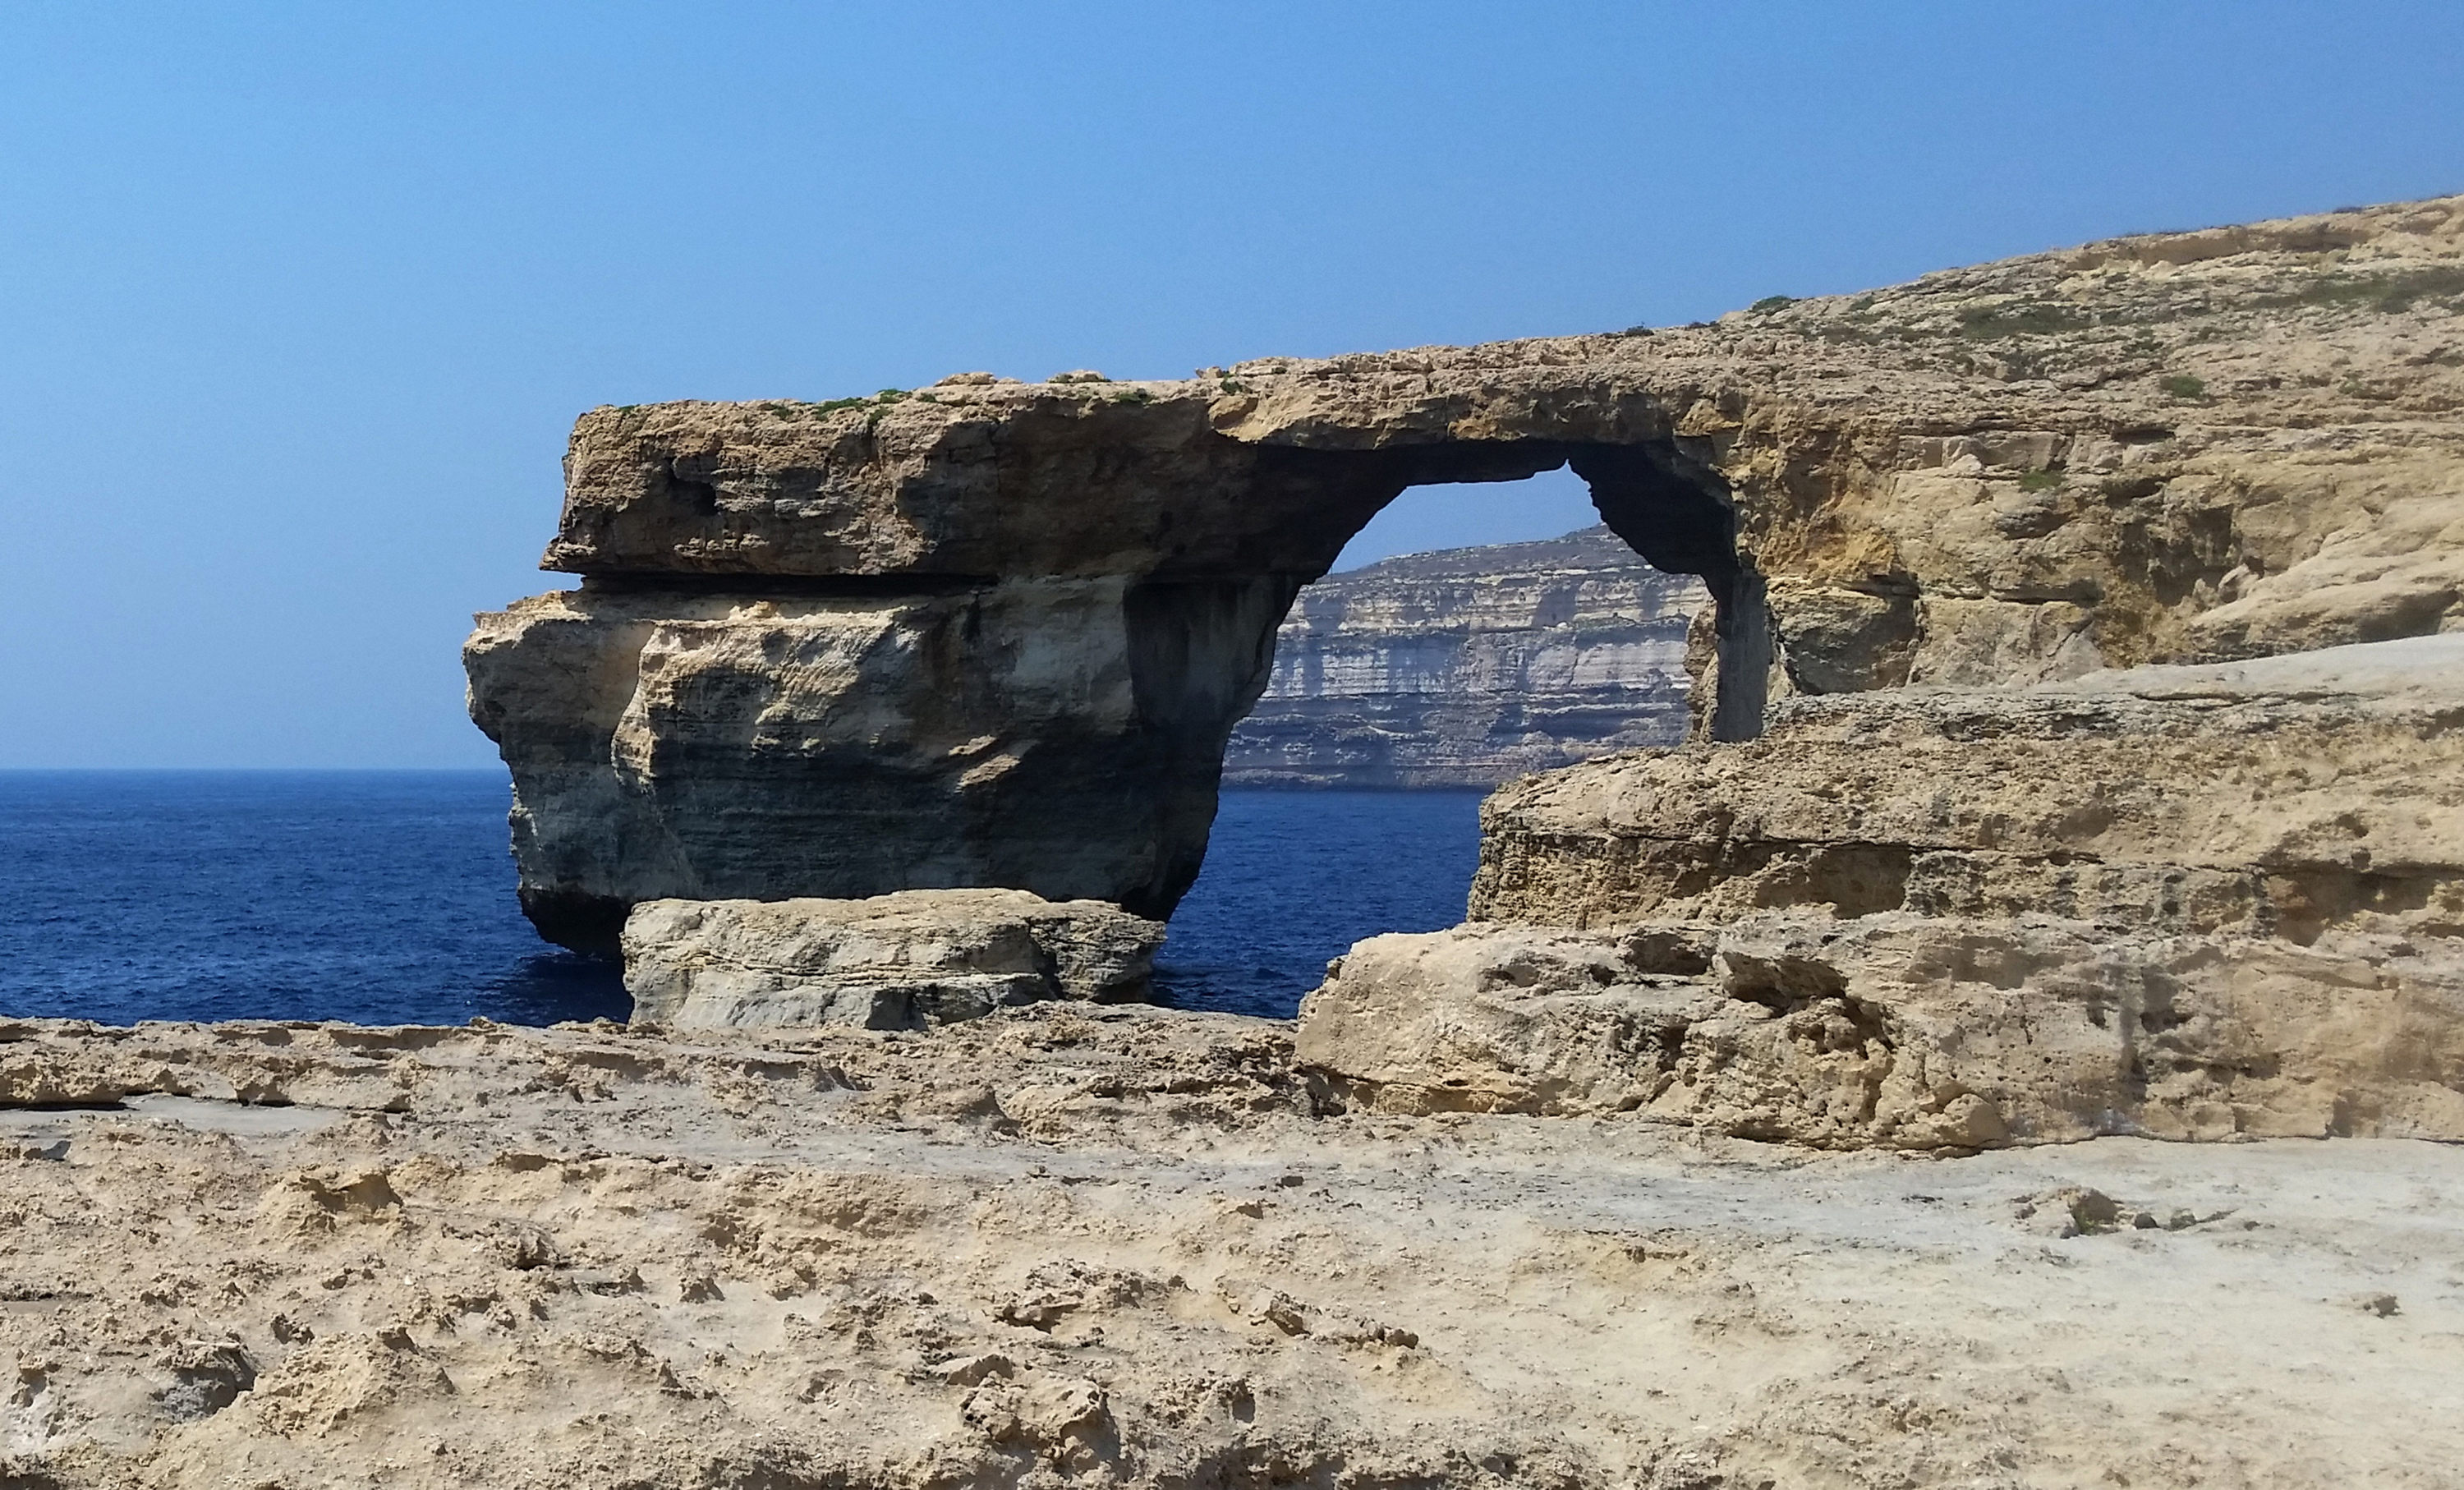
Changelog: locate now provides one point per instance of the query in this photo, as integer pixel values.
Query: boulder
(897, 961)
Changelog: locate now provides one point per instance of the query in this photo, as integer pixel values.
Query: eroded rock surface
(898, 961)
(1112, 1245)
(2189, 900)
(890, 642)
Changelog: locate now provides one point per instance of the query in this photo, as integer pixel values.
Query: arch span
(815, 655)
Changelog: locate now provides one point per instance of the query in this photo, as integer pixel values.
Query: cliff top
(1595, 547)
(2149, 427)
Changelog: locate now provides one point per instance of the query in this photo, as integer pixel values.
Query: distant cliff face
(1472, 667)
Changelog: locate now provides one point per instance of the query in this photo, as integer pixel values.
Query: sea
(387, 898)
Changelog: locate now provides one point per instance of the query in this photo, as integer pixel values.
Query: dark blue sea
(387, 898)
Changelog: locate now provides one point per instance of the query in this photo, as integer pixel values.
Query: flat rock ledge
(1101, 1246)
(2189, 902)
(897, 961)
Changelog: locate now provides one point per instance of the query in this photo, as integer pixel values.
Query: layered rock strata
(2186, 901)
(1471, 666)
(995, 633)
(898, 961)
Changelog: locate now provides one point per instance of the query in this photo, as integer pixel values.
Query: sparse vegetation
(1232, 386)
(1133, 396)
(2184, 386)
(878, 403)
(2025, 319)
(2044, 481)
(2385, 294)
(1772, 303)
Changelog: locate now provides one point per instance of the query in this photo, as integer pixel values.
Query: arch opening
(1202, 645)
(1470, 635)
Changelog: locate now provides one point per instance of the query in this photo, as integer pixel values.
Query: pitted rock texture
(1471, 666)
(1076, 1245)
(899, 961)
(1905, 1031)
(2182, 446)
(2195, 902)
(2279, 796)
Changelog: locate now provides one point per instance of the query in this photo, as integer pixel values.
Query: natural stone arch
(989, 633)
(812, 660)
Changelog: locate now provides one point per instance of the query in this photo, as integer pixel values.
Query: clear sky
(297, 301)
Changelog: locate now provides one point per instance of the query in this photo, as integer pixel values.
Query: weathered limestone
(898, 961)
(1899, 1030)
(2279, 796)
(2186, 901)
(2164, 448)
(1082, 1245)
(1471, 666)
(1038, 735)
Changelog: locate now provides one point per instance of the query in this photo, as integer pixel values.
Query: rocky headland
(1471, 666)
(997, 634)
(2017, 1039)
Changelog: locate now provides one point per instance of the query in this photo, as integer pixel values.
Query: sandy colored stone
(2279, 796)
(2196, 900)
(900, 961)
(1906, 1031)
(1145, 1250)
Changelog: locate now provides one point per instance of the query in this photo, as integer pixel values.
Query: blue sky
(297, 302)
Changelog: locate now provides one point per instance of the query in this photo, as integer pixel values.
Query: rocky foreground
(2194, 902)
(1073, 1245)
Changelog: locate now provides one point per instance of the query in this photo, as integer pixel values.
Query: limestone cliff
(994, 633)
(1471, 666)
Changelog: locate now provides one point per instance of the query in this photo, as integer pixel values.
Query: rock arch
(989, 635)
(994, 633)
